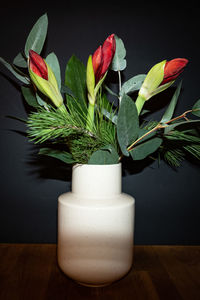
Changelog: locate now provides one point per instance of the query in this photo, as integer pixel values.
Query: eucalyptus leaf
(170, 110)
(185, 124)
(127, 123)
(144, 111)
(40, 101)
(145, 148)
(109, 116)
(119, 61)
(20, 61)
(66, 90)
(106, 108)
(61, 155)
(29, 96)
(37, 36)
(53, 62)
(75, 79)
(105, 156)
(196, 109)
(110, 91)
(16, 72)
(133, 84)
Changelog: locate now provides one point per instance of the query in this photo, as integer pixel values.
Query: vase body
(95, 226)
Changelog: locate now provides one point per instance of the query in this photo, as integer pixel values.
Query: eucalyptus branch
(180, 117)
(158, 126)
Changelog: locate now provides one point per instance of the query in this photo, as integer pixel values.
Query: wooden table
(30, 271)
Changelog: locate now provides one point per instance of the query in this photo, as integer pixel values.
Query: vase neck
(96, 180)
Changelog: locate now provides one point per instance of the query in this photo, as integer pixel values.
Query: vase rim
(96, 165)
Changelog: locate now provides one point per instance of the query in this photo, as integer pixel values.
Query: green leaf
(170, 110)
(196, 109)
(61, 155)
(37, 36)
(20, 61)
(127, 123)
(75, 79)
(40, 100)
(53, 62)
(106, 108)
(119, 61)
(66, 90)
(133, 84)
(29, 96)
(105, 156)
(110, 91)
(162, 88)
(145, 148)
(185, 124)
(16, 72)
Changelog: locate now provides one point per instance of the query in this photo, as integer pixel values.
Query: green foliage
(177, 145)
(37, 36)
(53, 62)
(35, 41)
(107, 155)
(75, 80)
(61, 155)
(57, 126)
(145, 148)
(119, 61)
(20, 60)
(196, 109)
(15, 71)
(29, 96)
(127, 123)
(184, 124)
(133, 84)
(170, 110)
(114, 132)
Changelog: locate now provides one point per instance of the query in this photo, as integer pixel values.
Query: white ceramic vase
(95, 226)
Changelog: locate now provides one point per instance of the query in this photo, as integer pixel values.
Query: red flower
(173, 69)
(38, 65)
(103, 56)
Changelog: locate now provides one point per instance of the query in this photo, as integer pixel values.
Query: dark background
(167, 200)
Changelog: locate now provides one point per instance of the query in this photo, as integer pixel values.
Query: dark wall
(167, 201)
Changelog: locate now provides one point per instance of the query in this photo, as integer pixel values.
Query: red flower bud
(38, 65)
(103, 56)
(97, 62)
(173, 69)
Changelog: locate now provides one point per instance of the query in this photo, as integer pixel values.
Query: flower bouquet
(79, 116)
(84, 122)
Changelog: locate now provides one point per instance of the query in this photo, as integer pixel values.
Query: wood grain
(30, 271)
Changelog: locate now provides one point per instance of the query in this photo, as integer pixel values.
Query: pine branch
(54, 125)
(177, 145)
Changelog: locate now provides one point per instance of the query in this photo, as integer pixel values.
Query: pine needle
(177, 144)
(56, 126)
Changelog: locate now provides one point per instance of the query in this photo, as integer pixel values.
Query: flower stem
(90, 117)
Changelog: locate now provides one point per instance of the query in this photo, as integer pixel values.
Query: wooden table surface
(30, 271)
